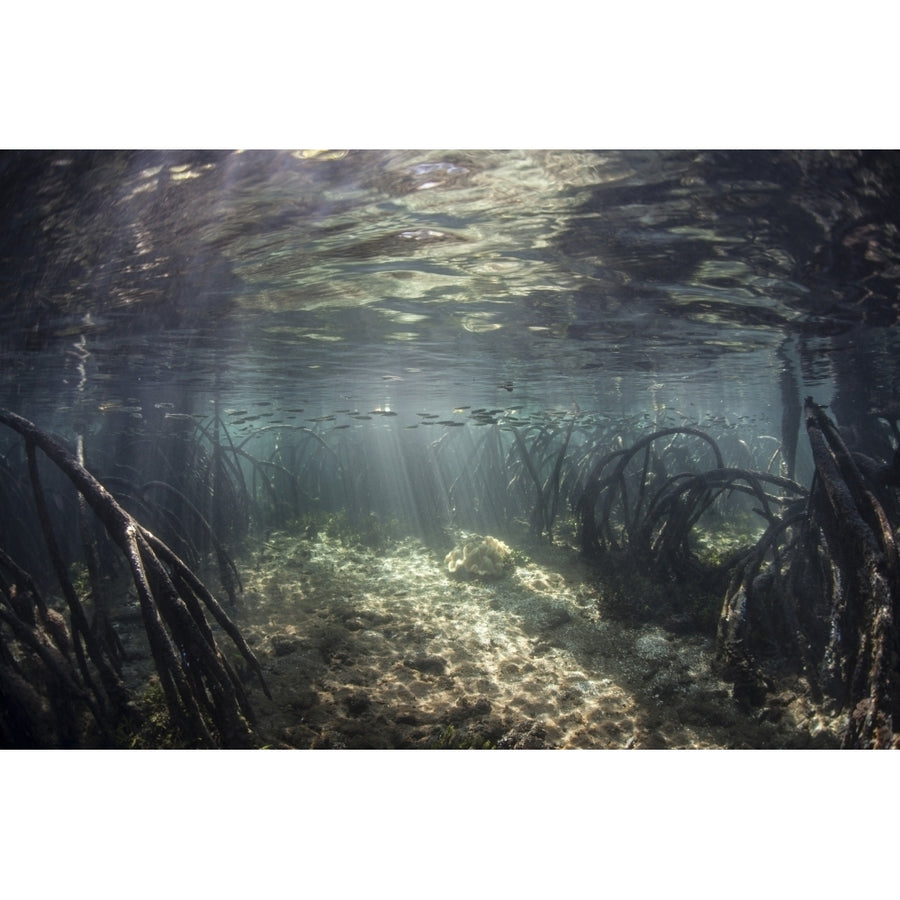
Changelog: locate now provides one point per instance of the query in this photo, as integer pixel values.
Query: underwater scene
(449, 449)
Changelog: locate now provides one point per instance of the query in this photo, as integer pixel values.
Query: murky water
(378, 333)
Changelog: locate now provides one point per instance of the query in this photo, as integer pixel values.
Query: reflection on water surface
(281, 274)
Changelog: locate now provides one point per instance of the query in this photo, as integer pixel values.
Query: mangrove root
(205, 698)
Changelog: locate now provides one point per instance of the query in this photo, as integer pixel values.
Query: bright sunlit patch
(321, 155)
(478, 323)
(370, 641)
(402, 318)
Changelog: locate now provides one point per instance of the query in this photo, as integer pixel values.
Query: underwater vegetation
(147, 523)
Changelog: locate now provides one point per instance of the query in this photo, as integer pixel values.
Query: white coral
(484, 556)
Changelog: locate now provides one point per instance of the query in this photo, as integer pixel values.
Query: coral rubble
(486, 557)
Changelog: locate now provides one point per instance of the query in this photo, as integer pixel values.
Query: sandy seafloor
(365, 648)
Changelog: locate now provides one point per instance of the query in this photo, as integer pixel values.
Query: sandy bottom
(366, 649)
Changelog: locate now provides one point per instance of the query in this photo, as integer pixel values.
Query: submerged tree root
(862, 651)
(832, 582)
(813, 591)
(205, 698)
(817, 594)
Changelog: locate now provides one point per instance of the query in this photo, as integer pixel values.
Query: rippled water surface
(621, 283)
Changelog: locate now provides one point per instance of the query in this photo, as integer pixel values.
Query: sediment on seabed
(651, 592)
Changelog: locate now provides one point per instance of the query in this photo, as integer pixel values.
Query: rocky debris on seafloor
(434, 665)
(486, 557)
(524, 736)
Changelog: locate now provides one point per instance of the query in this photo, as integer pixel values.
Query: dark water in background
(703, 286)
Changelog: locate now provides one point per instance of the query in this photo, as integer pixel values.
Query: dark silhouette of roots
(818, 590)
(54, 674)
(791, 581)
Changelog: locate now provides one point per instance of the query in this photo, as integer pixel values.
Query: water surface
(615, 282)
